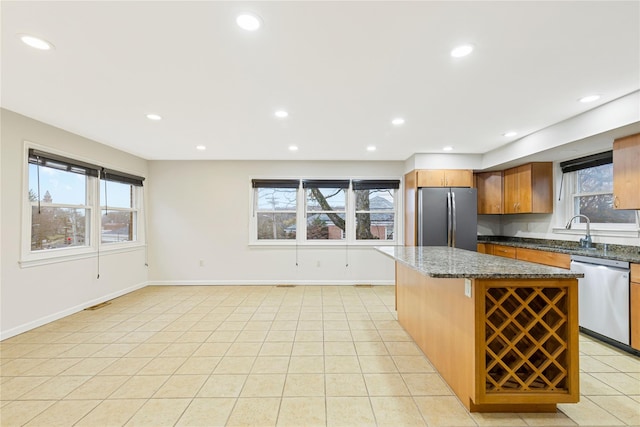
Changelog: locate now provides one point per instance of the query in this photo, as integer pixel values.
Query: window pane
(277, 199)
(276, 225)
(326, 199)
(116, 194)
(372, 200)
(596, 179)
(599, 209)
(57, 186)
(57, 227)
(325, 227)
(117, 226)
(372, 226)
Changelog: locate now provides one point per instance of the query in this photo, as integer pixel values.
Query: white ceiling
(342, 70)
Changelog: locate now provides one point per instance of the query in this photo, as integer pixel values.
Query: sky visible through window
(70, 188)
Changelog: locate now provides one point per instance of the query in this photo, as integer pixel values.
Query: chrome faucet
(586, 241)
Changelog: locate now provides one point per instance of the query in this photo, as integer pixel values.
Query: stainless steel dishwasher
(603, 296)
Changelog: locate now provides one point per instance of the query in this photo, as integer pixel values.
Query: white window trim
(596, 228)
(29, 258)
(301, 223)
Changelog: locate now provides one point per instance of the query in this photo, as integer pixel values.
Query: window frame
(255, 211)
(31, 258)
(597, 228)
(384, 211)
(136, 194)
(350, 218)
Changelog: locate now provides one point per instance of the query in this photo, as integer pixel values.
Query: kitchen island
(502, 333)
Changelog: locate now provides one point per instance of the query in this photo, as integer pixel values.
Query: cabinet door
(626, 172)
(458, 178)
(504, 251)
(553, 259)
(431, 178)
(510, 190)
(489, 185)
(524, 203)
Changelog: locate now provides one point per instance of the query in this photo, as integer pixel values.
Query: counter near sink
(614, 252)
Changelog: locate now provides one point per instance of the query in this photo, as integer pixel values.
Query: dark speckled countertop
(444, 262)
(614, 252)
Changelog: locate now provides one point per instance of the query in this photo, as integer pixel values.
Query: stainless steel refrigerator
(448, 217)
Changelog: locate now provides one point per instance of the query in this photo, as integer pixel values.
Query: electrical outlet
(201, 263)
(318, 263)
(467, 287)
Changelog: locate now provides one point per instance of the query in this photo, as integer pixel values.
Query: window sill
(323, 244)
(598, 232)
(34, 260)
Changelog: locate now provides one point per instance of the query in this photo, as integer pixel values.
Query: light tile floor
(262, 355)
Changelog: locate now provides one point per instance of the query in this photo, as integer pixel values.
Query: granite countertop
(614, 252)
(445, 262)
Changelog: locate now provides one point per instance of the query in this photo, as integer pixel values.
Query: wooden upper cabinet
(489, 185)
(626, 172)
(529, 188)
(445, 178)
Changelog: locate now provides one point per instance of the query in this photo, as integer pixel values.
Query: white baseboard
(268, 282)
(59, 315)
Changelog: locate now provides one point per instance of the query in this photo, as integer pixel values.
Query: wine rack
(526, 340)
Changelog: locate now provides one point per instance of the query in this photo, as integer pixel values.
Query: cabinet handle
(442, 182)
(616, 202)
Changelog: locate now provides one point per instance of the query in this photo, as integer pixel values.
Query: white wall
(33, 296)
(200, 210)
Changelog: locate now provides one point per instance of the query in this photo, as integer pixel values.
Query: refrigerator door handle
(449, 225)
(453, 214)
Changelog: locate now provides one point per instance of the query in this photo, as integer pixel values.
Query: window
(276, 204)
(590, 181)
(375, 209)
(67, 197)
(325, 209)
(59, 200)
(593, 197)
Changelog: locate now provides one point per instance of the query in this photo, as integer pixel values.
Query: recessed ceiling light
(201, 147)
(154, 117)
(589, 98)
(447, 148)
(35, 42)
(371, 148)
(397, 121)
(248, 21)
(510, 134)
(293, 148)
(281, 114)
(462, 50)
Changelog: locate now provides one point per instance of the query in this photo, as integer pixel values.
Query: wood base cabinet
(510, 345)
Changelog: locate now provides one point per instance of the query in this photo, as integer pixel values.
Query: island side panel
(440, 319)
